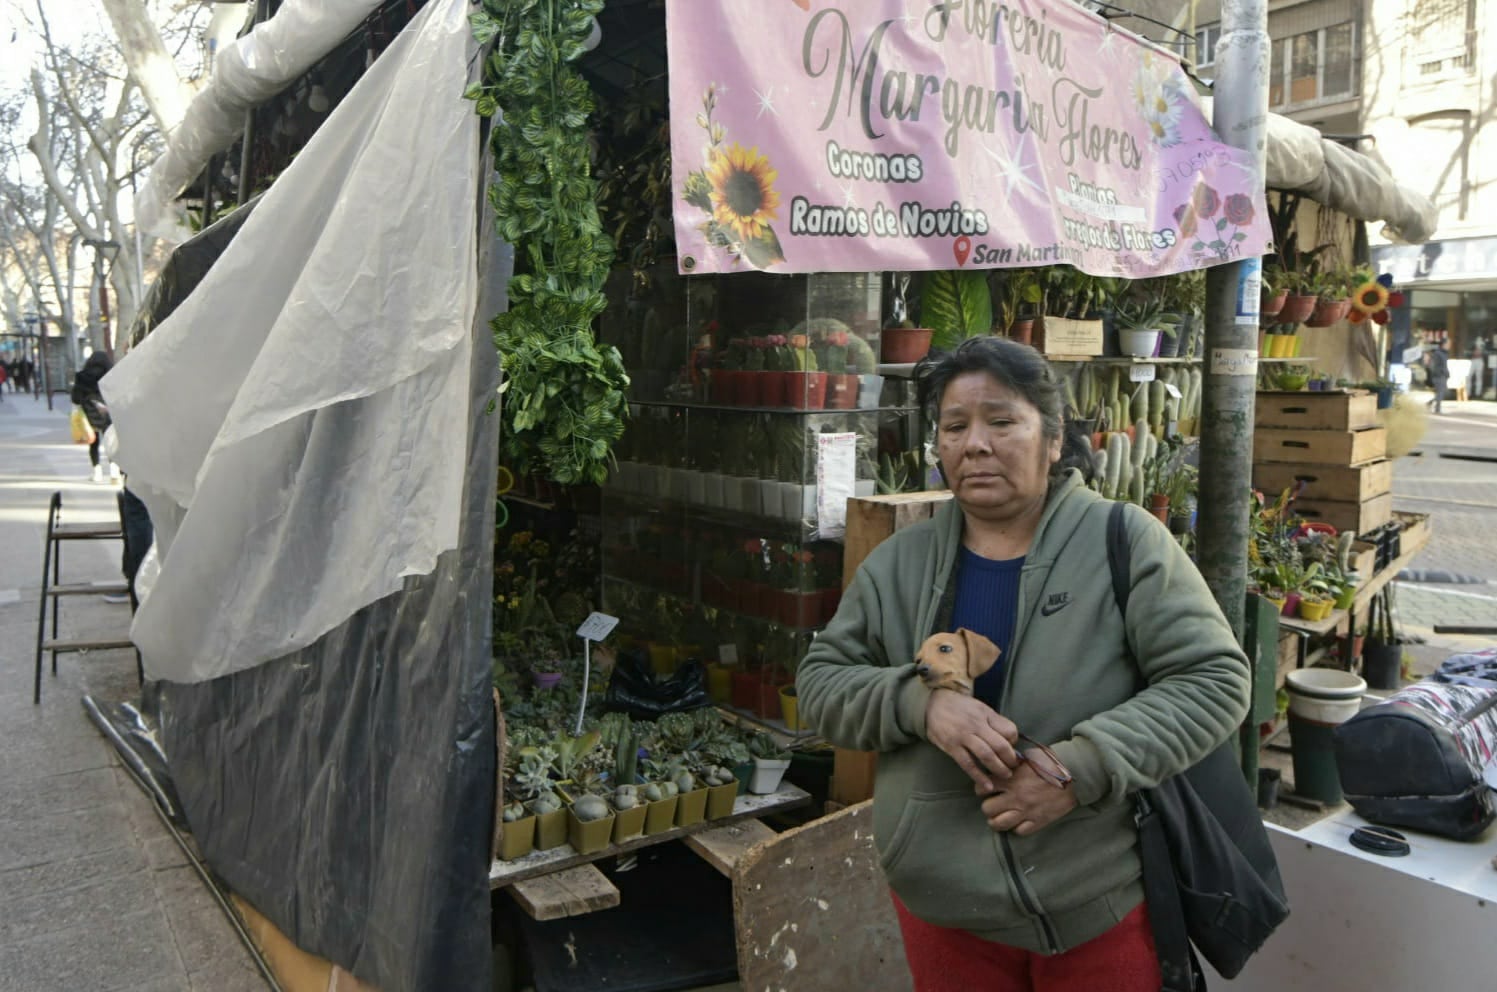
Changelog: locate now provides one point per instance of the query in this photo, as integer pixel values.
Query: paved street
(95, 895)
(1460, 495)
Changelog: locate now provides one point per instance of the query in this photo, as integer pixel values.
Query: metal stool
(54, 589)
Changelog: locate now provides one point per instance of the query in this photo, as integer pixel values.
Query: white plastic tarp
(297, 426)
(245, 74)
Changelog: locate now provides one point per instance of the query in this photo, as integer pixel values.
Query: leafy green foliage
(564, 404)
(956, 306)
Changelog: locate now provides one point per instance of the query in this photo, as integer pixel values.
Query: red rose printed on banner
(737, 192)
(1239, 209)
(1206, 201)
(1186, 218)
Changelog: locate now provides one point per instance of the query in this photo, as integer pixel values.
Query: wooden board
(1341, 483)
(870, 519)
(812, 911)
(1360, 517)
(1278, 444)
(502, 873)
(295, 969)
(1332, 411)
(573, 892)
(725, 846)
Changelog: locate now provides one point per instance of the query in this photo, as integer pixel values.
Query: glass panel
(1302, 67)
(1276, 75)
(1339, 64)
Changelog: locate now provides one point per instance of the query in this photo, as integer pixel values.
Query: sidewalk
(94, 893)
(1460, 495)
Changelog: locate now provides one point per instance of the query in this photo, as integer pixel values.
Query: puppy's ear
(981, 652)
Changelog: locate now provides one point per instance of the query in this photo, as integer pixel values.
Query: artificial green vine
(564, 403)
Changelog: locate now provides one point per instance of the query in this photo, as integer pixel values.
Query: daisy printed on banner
(736, 190)
(1161, 96)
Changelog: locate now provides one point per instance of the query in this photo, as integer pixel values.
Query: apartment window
(1313, 65)
(1206, 39)
(1440, 36)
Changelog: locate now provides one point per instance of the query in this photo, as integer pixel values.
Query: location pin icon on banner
(961, 249)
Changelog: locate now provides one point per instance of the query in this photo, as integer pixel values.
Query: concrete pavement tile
(124, 952)
(31, 761)
(89, 905)
(56, 837)
(202, 932)
(176, 983)
(60, 794)
(232, 972)
(81, 870)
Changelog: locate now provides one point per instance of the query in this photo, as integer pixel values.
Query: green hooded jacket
(1069, 681)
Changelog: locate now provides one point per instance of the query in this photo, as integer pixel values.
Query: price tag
(727, 654)
(1142, 373)
(1173, 390)
(597, 626)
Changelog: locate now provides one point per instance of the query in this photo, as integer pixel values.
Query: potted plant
(1137, 318)
(800, 596)
(757, 388)
(842, 384)
(727, 378)
(722, 791)
(1292, 378)
(1274, 293)
(628, 805)
(534, 778)
(805, 384)
(1333, 298)
(691, 807)
(770, 763)
(660, 795)
(590, 823)
(1019, 294)
(902, 342)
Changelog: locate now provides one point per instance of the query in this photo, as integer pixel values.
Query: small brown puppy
(954, 661)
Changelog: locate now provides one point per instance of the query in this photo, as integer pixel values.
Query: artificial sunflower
(1369, 298)
(743, 194)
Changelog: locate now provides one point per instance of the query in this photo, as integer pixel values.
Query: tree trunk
(150, 64)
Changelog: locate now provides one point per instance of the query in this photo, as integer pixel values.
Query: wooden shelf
(1314, 628)
(504, 873)
(733, 408)
(1122, 360)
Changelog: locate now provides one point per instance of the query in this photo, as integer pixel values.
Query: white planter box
(864, 487)
(713, 489)
(767, 774)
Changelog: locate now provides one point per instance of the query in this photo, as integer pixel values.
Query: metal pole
(1230, 373)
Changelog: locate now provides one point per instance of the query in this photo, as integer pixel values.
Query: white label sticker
(836, 480)
(1173, 390)
(727, 654)
(597, 626)
(1143, 373)
(1234, 361)
(1249, 292)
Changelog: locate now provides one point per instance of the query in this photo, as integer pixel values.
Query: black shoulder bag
(1209, 872)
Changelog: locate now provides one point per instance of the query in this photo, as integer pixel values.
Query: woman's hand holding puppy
(976, 737)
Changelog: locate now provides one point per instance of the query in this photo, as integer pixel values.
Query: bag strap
(1177, 964)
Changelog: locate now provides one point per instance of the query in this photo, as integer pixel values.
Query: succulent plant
(625, 797)
(514, 811)
(653, 792)
(718, 775)
(590, 808)
(684, 781)
(546, 802)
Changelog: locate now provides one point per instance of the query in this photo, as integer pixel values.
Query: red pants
(1121, 960)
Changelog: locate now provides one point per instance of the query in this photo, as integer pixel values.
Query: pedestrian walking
(88, 398)
(1439, 373)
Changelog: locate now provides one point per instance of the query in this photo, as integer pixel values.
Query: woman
(1033, 883)
(86, 396)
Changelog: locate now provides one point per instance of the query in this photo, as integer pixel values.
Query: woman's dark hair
(1017, 367)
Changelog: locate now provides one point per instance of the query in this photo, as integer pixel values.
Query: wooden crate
(1415, 529)
(1337, 411)
(1072, 338)
(1363, 558)
(1360, 517)
(1310, 447)
(1342, 483)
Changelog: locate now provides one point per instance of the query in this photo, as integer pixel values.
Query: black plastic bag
(634, 689)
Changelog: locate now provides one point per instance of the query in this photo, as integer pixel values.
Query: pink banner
(857, 135)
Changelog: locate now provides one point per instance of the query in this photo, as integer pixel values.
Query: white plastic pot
(1138, 343)
(767, 775)
(768, 502)
(790, 500)
(696, 486)
(1326, 696)
(869, 389)
(713, 488)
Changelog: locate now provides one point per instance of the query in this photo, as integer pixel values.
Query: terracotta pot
(746, 690)
(830, 600)
(1297, 308)
(771, 388)
(805, 390)
(1327, 313)
(743, 597)
(1159, 505)
(1271, 306)
(725, 386)
(1022, 330)
(899, 345)
(842, 390)
(800, 609)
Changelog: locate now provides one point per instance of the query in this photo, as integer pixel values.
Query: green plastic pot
(517, 838)
(660, 815)
(720, 799)
(589, 836)
(691, 807)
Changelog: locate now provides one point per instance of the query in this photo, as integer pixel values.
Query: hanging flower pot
(1272, 306)
(1296, 308)
(1328, 312)
(900, 345)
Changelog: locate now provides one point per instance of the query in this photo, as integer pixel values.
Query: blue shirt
(987, 602)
